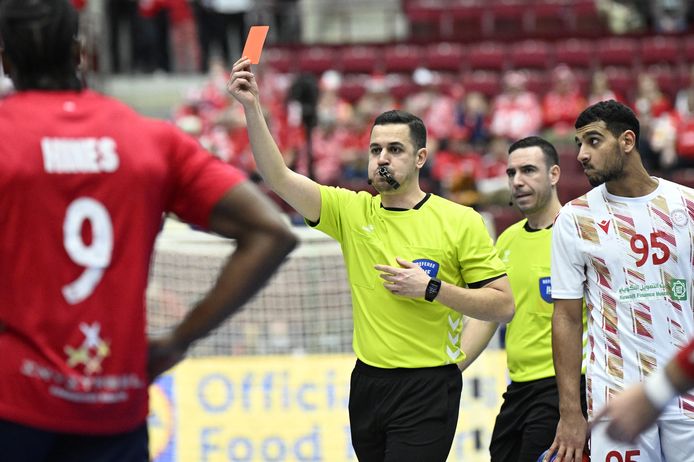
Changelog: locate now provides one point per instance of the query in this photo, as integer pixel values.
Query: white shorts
(666, 440)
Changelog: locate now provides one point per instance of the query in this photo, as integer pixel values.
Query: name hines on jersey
(79, 155)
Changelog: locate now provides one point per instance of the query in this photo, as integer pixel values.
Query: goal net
(304, 308)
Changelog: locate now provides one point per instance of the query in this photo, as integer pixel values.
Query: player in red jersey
(84, 185)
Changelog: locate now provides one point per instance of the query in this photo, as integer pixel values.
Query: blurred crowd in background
(469, 133)
(321, 115)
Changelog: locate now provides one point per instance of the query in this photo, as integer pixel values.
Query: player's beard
(614, 169)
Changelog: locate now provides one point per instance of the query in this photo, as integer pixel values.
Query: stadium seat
(403, 58)
(468, 20)
(574, 52)
(403, 87)
(444, 56)
(584, 20)
(660, 49)
(668, 78)
(583, 79)
(684, 176)
(509, 19)
(533, 54)
(572, 186)
(622, 81)
(538, 81)
(617, 51)
(486, 82)
(353, 88)
(426, 19)
(569, 163)
(317, 60)
(546, 19)
(279, 59)
(360, 59)
(487, 56)
(688, 49)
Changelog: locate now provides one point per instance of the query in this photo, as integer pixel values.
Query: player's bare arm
(493, 302)
(302, 193)
(567, 347)
(475, 338)
(263, 240)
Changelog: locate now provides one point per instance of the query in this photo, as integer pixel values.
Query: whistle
(383, 171)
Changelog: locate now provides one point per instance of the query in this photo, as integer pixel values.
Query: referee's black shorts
(19, 443)
(404, 415)
(527, 421)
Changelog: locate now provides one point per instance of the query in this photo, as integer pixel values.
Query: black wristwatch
(432, 289)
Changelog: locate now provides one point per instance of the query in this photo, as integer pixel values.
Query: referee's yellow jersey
(448, 240)
(529, 334)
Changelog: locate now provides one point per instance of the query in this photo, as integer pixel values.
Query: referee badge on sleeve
(546, 289)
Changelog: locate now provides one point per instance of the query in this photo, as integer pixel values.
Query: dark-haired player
(627, 248)
(416, 264)
(84, 184)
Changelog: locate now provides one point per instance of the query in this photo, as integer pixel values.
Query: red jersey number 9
(94, 256)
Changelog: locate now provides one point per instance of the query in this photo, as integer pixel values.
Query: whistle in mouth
(383, 171)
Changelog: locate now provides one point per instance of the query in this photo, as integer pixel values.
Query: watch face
(432, 289)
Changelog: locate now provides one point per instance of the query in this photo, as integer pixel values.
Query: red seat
(352, 87)
(617, 51)
(403, 58)
(546, 19)
(574, 52)
(360, 58)
(572, 186)
(530, 54)
(317, 60)
(279, 59)
(468, 20)
(487, 55)
(688, 49)
(444, 56)
(509, 18)
(668, 78)
(660, 49)
(403, 87)
(537, 82)
(584, 20)
(583, 79)
(425, 18)
(569, 163)
(622, 81)
(684, 176)
(486, 82)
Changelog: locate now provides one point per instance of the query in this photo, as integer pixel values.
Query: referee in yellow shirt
(528, 417)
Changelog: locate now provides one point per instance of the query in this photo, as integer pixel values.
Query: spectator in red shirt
(562, 103)
(516, 112)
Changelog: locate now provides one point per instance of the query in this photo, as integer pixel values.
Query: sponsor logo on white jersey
(79, 155)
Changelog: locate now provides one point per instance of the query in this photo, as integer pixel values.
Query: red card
(254, 43)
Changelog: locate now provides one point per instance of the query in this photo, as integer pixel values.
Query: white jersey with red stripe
(632, 259)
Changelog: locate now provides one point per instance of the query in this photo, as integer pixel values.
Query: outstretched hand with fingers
(410, 280)
(242, 85)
